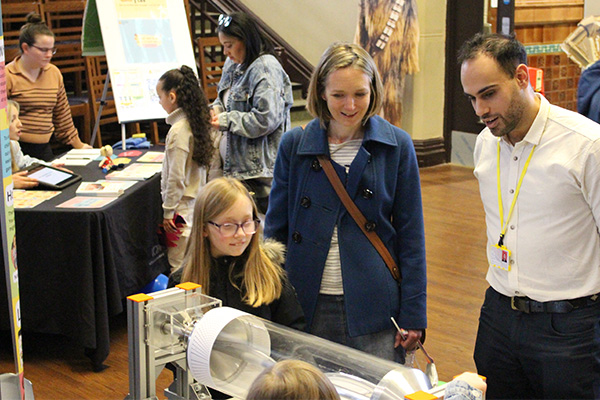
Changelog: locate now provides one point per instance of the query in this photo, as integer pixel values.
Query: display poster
(142, 40)
(7, 226)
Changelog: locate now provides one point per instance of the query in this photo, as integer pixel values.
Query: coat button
(316, 165)
(367, 194)
(296, 237)
(370, 226)
(305, 202)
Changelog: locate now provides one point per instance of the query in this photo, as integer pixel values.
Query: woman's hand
(409, 342)
(78, 144)
(214, 121)
(22, 181)
(169, 226)
(61, 165)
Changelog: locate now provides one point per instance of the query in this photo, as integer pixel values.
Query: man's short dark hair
(506, 50)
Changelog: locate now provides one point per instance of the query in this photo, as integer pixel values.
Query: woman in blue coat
(345, 288)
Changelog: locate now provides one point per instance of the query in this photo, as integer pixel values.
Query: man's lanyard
(503, 227)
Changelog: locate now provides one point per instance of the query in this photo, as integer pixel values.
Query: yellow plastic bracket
(140, 297)
(188, 286)
(420, 395)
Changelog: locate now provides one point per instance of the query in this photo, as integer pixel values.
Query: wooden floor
(454, 228)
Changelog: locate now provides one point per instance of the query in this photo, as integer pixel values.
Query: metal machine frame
(146, 318)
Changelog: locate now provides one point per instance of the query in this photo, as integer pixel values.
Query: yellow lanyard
(503, 227)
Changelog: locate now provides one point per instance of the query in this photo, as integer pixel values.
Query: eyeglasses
(229, 229)
(224, 20)
(46, 49)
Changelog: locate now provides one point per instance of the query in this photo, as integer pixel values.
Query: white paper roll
(239, 337)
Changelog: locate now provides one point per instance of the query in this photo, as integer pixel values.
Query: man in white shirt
(538, 168)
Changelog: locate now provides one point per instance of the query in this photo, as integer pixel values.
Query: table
(77, 265)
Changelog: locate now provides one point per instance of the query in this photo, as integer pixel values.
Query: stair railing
(204, 22)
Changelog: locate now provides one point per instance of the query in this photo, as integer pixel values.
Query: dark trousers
(43, 151)
(538, 355)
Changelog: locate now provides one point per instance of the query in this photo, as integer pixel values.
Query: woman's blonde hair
(337, 56)
(261, 276)
(12, 106)
(292, 380)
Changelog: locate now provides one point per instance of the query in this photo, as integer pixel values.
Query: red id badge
(500, 257)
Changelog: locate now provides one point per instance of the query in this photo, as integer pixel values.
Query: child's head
(174, 87)
(227, 216)
(180, 88)
(14, 123)
(292, 380)
(225, 219)
(226, 224)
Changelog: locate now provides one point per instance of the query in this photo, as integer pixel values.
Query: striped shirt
(331, 282)
(44, 105)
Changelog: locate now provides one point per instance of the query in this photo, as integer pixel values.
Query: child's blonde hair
(292, 380)
(262, 276)
(11, 107)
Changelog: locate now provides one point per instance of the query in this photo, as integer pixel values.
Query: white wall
(310, 26)
(591, 7)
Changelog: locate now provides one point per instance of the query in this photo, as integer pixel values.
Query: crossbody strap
(358, 216)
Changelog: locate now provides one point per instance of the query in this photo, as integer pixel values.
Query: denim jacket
(256, 115)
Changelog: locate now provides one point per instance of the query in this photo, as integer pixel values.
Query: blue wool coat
(588, 92)
(383, 181)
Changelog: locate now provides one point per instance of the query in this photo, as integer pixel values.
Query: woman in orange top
(38, 87)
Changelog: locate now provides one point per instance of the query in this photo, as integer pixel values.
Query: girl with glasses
(227, 256)
(38, 87)
(255, 97)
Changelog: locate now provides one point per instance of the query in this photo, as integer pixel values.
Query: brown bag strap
(358, 216)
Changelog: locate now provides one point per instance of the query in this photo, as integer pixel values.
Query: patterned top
(44, 105)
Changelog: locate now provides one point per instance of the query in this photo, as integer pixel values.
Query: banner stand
(102, 104)
(12, 386)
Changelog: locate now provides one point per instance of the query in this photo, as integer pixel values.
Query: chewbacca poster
(389, 31)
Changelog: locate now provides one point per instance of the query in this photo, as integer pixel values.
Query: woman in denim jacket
(255, 96)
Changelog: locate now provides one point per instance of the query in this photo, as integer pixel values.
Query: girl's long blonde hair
(261, 276)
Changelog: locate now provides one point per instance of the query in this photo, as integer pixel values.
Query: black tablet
(50, 177)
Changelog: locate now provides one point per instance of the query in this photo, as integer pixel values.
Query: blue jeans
(538, 355)
(329, 322)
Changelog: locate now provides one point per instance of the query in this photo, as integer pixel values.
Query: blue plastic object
(159, 283)
(133, 143)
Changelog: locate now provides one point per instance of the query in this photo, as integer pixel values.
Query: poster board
(142, 40)
(9, 241)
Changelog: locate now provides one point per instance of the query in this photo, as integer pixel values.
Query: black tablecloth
(76, 265)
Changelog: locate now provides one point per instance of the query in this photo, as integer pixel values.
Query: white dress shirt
(553, 231)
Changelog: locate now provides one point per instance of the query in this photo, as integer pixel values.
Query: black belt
(527, 305)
